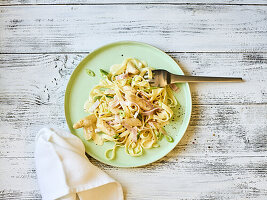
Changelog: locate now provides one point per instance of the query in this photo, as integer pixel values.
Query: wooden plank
(37, 100)
(187, 177)
(46, 77)
(250, 66)
(196, 178)
(213, 130)
(230, 164)
(18, 173)
(173, 28)
(62, 2)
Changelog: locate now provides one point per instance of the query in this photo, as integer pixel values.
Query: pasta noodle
(125, 109)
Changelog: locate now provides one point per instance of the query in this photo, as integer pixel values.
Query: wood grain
(79, 2)
(173, 28)
(213, 130)
(223, 150)
(184, 177)
(227, 110)
(222, 154)
(46, 76)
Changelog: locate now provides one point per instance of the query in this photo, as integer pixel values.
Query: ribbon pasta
(125, 109)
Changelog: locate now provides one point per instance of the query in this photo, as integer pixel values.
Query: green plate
(80, 84)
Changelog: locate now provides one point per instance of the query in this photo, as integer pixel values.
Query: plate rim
(78, 67)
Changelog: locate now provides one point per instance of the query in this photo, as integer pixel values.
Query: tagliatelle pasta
(125, 109)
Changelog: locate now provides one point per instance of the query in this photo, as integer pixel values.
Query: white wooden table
(223, 154)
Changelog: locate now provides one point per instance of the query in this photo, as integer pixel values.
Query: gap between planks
(197, 156)
(208, 28)
(181, 52)
(118, 4)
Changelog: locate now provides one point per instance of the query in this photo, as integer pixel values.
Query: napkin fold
(64, 171)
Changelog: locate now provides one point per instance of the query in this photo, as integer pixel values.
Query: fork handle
(181, 79)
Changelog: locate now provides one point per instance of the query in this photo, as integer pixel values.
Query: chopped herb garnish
(103, 89)
(129, 81)
(97, 97)
(138, 135)
(169, 138)
(90, 72)
(109, 96)
(156, 145)
(116, 136)
(159, 136)
(150, 88)
(146, 90)
(103, 73)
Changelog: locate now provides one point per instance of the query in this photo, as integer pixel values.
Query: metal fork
(162, 78)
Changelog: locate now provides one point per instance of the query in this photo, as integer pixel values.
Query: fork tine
(145, 76)
(151, 80)
(153, 84)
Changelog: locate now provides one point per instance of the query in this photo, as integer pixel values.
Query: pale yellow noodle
(111, 91)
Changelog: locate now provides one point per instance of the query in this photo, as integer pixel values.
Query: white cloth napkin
(64, 172)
